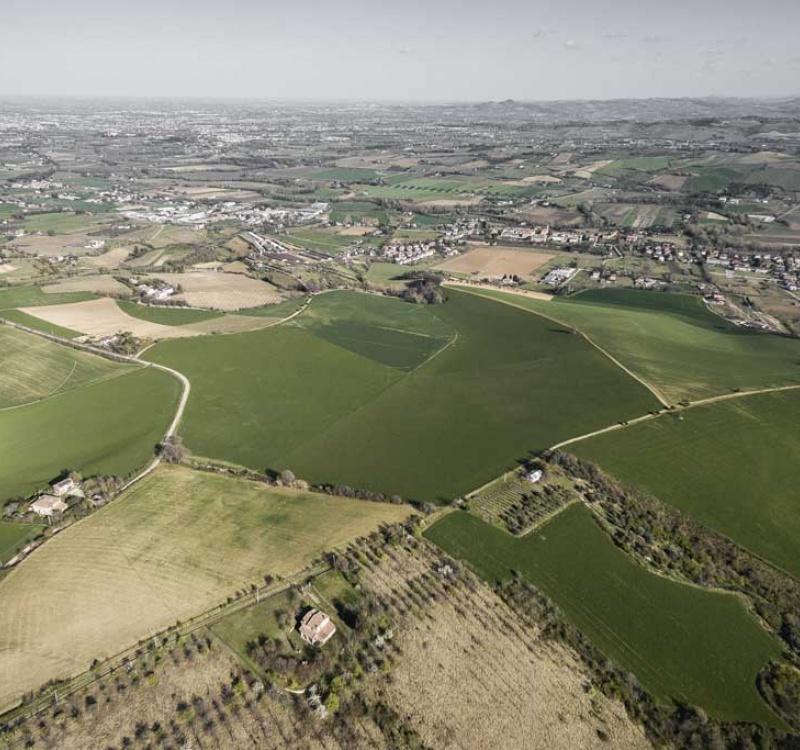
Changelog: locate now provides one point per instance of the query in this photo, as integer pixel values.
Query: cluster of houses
(782, 267)
(52, 504)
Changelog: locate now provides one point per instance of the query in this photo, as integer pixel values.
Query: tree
(288, 478)
(172, 450)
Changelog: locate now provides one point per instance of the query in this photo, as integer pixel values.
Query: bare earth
(472, 678)
(497, 262)
(102, 317)
(222, 291)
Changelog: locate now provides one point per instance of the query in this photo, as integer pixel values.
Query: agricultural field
(221, 291)
(143, 562)
(37, 324)
(33, 296)
(731, 465)
(99, 284)
(673, 341)
(167, 316)
(33, 369)
(323, 241)
(683, 643)
(496, 262)
(14, 536)
(325, 402)
(109, 427)
(469, 643)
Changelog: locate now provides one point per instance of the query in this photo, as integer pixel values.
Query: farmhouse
(316, 628)
(66, 486)
(47, 505)
(534, 476)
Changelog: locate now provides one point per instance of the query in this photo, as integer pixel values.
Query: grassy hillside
(176, 545)
(681, 642)
(110, 427)
(288, 397)
(674, 342)
(731, 465)
(32, 368)
(37, 324)
(14, 536)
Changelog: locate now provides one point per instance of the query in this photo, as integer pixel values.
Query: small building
(65, 487)
(534, 476)
(47, 505)
(316, 628)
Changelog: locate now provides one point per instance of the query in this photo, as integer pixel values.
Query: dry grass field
(102, 317)
(113, 258)
(42, 244)
(97, 284)
(496, 262)
(222, 291)
(174, 546)
(471, 677)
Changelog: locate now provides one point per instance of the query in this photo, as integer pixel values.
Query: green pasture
(673, 341)
(322, 400)
(683, 643)
(109, 427)
(33, 296)
(38, 324)
(731, 465)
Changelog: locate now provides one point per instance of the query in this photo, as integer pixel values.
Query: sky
(400, 50)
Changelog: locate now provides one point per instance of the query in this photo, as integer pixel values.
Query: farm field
(37, 324)
(32, 368)
(97, 284)
(167, 316)
(673, 342)
(143, 562)
(32, 296)
(14, 536)
(325, 403)
(496, 262)
(221, 291)
(109, 427)
(517, 688)
(682, 643)
(731, 465)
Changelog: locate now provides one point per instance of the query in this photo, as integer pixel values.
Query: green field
(355, 211)
(324, 402)
(14, 536)
(344, 174)
(60, 222)
(176, 545)
(167, 316)
(32, 296)
(674, 342)
(682, 643)
(109, 427)
(32, 368)
(731, 465)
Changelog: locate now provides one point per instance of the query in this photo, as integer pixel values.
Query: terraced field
(731, 465)
(176, 545)
(319, 396)
(673, 342)
(32, 368)
(681, 642)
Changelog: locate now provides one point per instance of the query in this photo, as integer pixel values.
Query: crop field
(32, 368)
(731, 465)
(14, 536)
(99, 284)
(110, 427)
(515, 688)
(323, 400)
(110, 259)
(37, 324)
(323, 241)
(221, 291)
(682, 643)
(496, 262)
(674, 342)
(32, 296)
(167, 316)
(60, 223)
(356, 211)
(176, 545)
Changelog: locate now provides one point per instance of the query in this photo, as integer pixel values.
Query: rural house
(66, 486)
(316, 628)
(46, 505)
(534, 476)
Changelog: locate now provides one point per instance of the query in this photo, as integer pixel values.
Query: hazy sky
(400, 49)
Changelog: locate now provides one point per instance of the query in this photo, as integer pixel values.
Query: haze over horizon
(442, 51)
